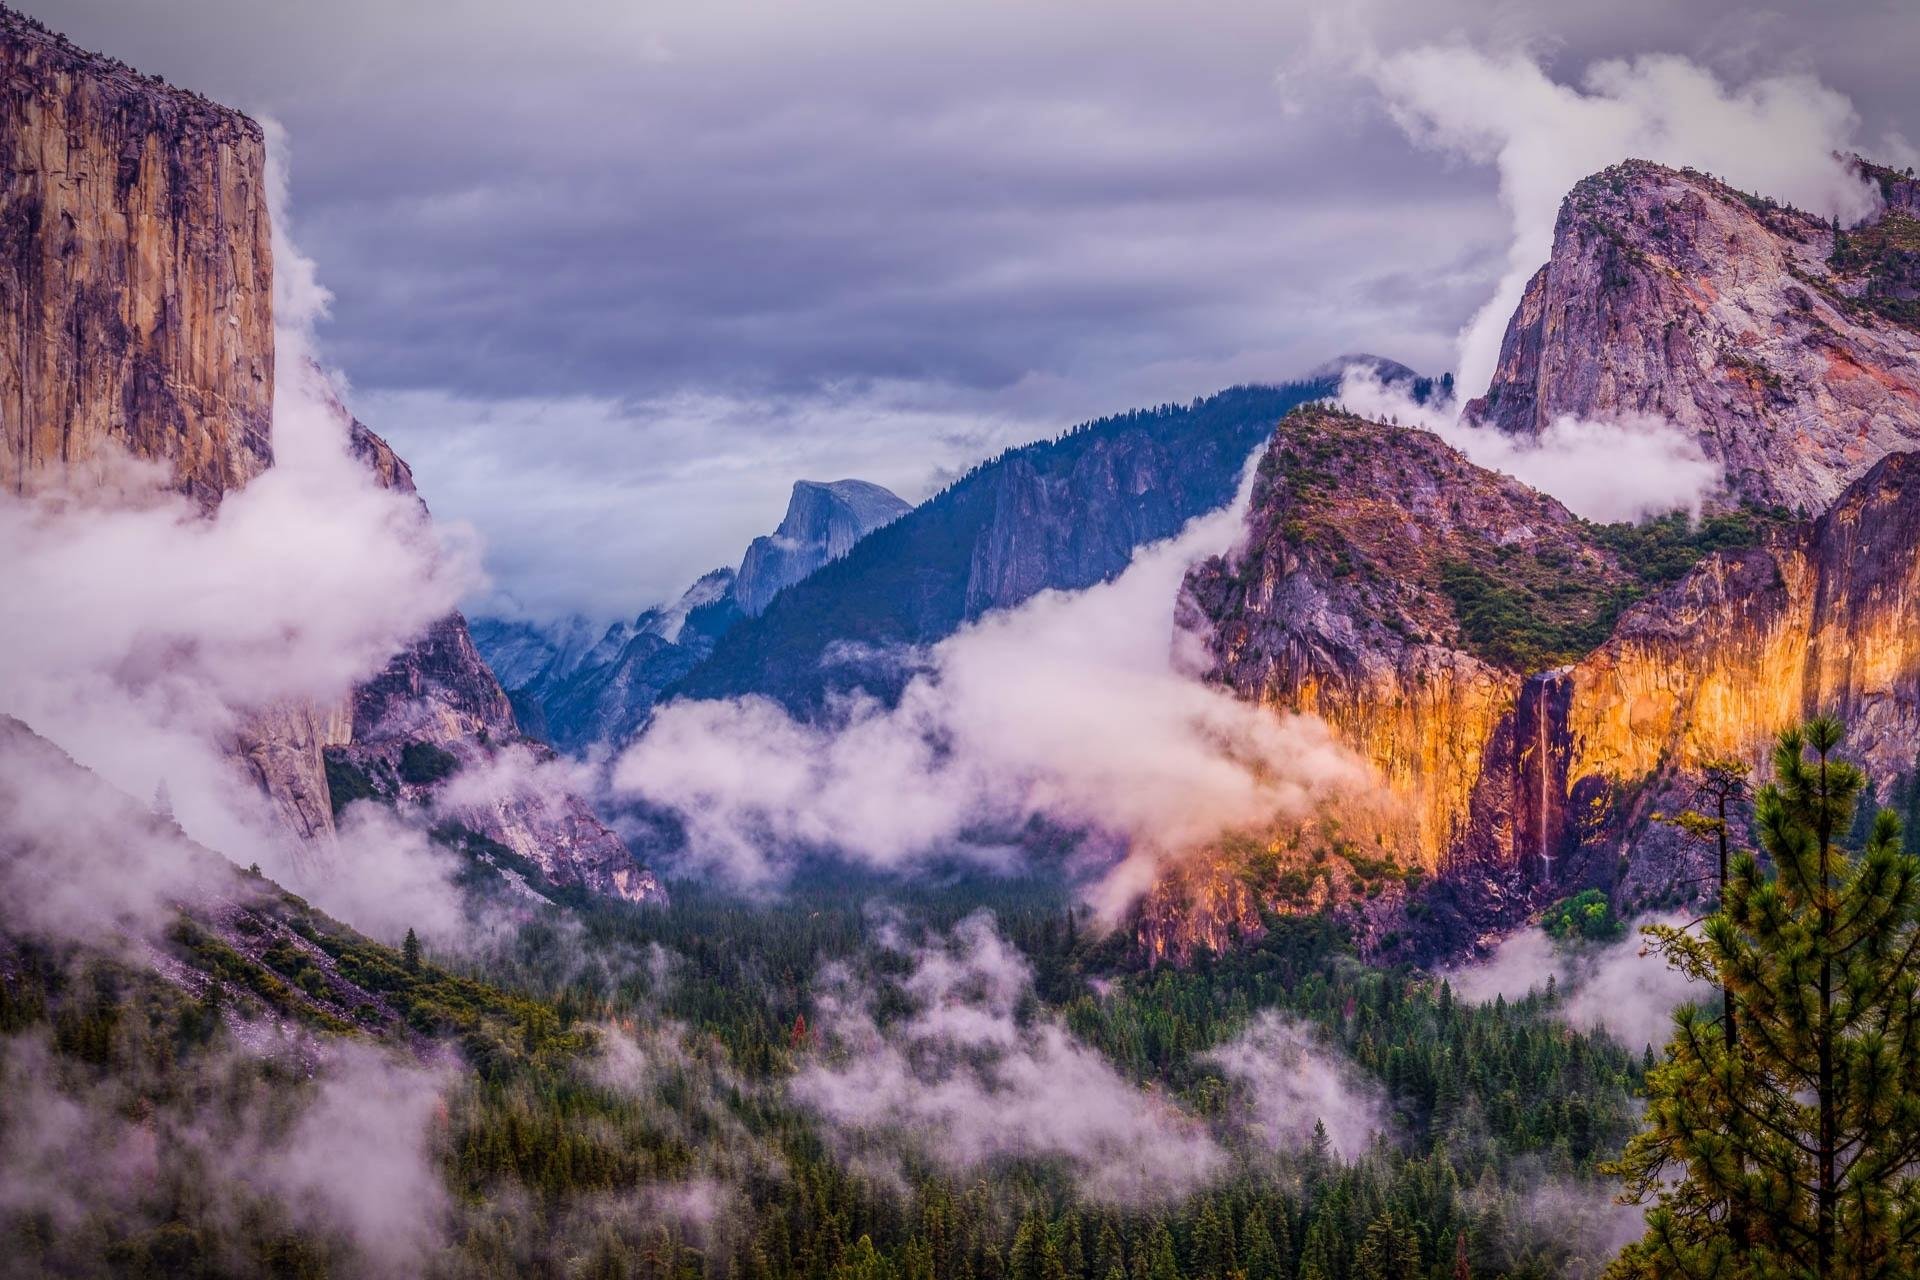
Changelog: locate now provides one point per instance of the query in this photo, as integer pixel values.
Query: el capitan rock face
(138, 269)
(1672, 295)
(136, 265)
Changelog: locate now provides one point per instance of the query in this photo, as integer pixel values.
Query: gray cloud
(1021, 215)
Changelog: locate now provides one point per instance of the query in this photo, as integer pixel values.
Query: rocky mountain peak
(1777, 342)
(1396, 532)
(709, 588)
(822, 523)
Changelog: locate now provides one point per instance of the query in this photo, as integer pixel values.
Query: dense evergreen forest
(613, 1099)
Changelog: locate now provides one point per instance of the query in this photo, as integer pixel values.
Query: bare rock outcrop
(1770, 337)
(136, 265)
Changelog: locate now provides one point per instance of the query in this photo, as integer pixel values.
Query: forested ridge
(553, 1166)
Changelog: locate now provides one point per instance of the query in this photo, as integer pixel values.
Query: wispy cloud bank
(1622, 469)
(1623, 988)
(972, 1075)
(1295, 1081)
(349, 1156)
(1070, 706)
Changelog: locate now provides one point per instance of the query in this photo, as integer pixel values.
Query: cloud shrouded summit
(705, 249)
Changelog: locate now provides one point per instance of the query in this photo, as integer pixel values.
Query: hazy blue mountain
(1063, 513)
(574, 690)
(822, 523)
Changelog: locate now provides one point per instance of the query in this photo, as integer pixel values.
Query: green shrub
(422, 763)
(1585, 917)
(347, 782)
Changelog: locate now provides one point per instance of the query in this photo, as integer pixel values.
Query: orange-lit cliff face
(1519, 777)
(1343, 604)
(137, 269)
(136, 264)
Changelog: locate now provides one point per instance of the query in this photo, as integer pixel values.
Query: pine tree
(1263, 1256)
(1319, 1152)
(1161, 1263)
(1023, 1261)
(1207, 1258)
(1803, 1134)
(410, 951)
(1910, 815)
(1388, 1251)
(1107, 1254)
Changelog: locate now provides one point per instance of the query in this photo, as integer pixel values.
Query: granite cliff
(822, 523)
(138, 268)
(1782, 344)
(1532, 688)
(436, 710)
(135, 262)
(1353, 599)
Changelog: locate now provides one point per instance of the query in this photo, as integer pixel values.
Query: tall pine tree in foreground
(1791, 1153)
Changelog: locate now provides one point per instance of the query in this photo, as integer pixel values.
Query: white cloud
(1624, 988)
(1295, 1081)
(1068, 706)
(1777, 134)
(965, 1079)
(1623, 469)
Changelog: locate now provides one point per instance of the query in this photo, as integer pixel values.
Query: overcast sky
(612, 276)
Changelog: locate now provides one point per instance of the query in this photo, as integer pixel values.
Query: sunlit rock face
(1524, 782)
(136, 263)
(1338, 605)
(136, 257)
(1671, 294)
(1788, 355)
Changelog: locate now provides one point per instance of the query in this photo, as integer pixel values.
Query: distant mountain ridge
(853, 580)
(574, 690)
(1065, 513)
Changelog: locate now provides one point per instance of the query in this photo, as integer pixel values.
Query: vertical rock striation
(135, 272)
